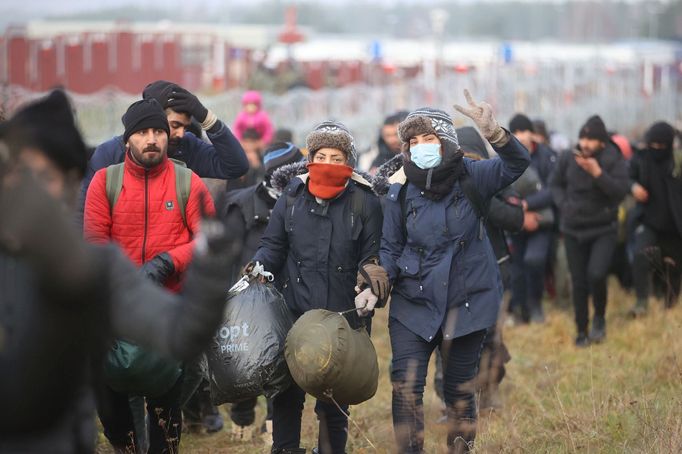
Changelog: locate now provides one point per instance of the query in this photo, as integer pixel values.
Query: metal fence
(628, 98)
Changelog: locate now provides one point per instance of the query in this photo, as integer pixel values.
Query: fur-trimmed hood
(283, 175)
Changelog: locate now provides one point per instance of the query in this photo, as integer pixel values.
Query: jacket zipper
(146, 209)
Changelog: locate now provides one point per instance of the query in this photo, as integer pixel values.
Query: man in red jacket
(154, 226)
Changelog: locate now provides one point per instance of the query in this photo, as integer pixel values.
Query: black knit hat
(331, 134)
(520, 122)
(661, 132)
(143, 114)
(470, 141)
(160, 90)
(594, 128)
(280, 154)
(395, 118)
(49, 125)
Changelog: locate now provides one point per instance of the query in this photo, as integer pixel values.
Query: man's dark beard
(147, 161)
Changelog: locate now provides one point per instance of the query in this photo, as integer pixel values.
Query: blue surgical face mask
(426, 155)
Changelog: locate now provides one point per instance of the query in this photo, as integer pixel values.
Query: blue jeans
(411, 353)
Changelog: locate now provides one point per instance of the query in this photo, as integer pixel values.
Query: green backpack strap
(114, 183)
(183, 184)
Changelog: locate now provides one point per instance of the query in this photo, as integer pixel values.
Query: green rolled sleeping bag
(326, 357)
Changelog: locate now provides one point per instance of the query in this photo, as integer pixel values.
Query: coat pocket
(409, 263)
(477, 275)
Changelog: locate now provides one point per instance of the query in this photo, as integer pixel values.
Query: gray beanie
(427, 120)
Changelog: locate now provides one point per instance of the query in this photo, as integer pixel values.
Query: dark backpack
(183, 183)
(481, 206)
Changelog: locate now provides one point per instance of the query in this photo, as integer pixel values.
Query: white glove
(365, 302)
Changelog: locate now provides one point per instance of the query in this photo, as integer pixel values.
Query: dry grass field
(623, 396)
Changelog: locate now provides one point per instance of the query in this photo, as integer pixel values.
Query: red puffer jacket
(146, 219)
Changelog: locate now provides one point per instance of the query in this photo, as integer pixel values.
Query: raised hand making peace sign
(482, 116)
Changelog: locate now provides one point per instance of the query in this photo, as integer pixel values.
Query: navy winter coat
(543, 160)
(444, 274)
(314, 250)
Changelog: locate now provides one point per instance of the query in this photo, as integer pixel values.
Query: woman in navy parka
(446, 283)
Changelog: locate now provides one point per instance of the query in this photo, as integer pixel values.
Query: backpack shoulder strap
(291, 195)
(358, 204)
(480, 205)
(114, 183)
(183, 185)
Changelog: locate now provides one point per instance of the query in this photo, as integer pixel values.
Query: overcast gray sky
(39, 8)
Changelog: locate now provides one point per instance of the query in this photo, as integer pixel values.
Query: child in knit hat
(253, 116)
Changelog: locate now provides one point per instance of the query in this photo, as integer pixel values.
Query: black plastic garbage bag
(246, 358)
(326, 357)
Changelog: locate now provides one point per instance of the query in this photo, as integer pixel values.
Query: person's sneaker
(191, 423)
(213, 423)
(489, 400)
(241, 433)
(582, 340)
(537, 316)
(670, 300)
(598, 331)
(639, 309)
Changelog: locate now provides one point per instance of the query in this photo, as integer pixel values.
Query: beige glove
(482, 115)
(365, 302)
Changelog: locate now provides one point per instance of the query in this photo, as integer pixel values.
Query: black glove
(181, 100)
(159, 268)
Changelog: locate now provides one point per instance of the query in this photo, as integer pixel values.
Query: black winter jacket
(314, 249)
(246, 213)
(543, 160)
(663, 210)
(50, 341)
(589, 206)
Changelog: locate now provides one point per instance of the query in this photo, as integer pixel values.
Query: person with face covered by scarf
(446, 282)
(657, 187)
(321, 243)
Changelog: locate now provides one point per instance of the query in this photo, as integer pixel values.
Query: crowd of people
(437, 222)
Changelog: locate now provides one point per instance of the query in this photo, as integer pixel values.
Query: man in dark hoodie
(388, 144)
(531, 246)
(657, 187)
(588, 185)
